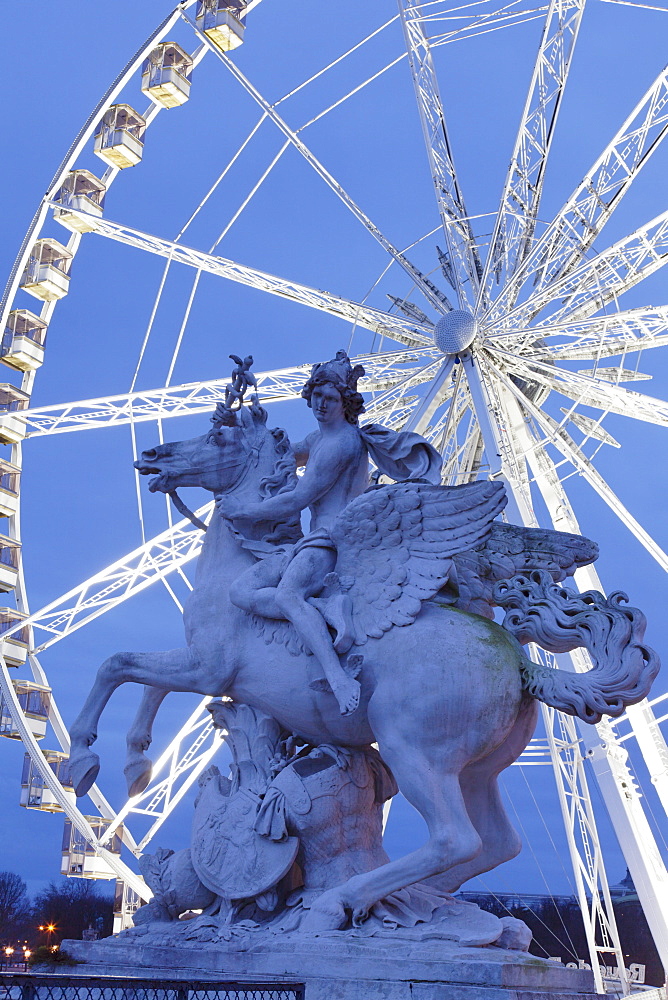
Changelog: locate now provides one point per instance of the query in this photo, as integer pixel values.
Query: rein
(253, 457)
(186, 511)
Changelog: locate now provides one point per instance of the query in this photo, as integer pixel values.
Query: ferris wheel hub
(455, 331)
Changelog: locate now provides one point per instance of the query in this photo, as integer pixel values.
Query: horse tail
(559, 620)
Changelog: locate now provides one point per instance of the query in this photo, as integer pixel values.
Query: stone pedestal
(334, 968)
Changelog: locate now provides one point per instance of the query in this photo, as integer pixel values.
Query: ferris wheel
(506, 350)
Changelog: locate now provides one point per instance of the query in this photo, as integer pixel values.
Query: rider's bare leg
(254, 590)
(138, 767)
(303, 578)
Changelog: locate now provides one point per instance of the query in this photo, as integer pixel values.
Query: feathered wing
(396, 543)
(509, 549)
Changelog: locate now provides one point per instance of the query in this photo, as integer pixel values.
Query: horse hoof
(138, 773)
(84, 769)
(329, 916)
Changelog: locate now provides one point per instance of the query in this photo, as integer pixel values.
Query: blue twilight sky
(78, 490)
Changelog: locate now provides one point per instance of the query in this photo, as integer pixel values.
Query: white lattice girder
(587, 288)
(202, 397)
(592, 203)
(390, 325)
(457, 228)
(587, 390)
(556, 435)
(591, 339)
(159, 556)
(514, 227)
(481, 23)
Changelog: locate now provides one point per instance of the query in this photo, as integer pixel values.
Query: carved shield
(228, 855)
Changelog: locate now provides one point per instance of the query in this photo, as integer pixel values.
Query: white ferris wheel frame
(512, 430)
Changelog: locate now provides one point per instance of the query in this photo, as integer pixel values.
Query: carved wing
(509, 549)
(395, 546)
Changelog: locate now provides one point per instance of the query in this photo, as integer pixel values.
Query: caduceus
(235, 391)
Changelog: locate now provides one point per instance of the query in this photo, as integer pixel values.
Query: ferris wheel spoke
(464, 261)
(560, 439)
(604, 279)
(590, 339)
(386, 324)
(514, 227)
(584, 215)
(587, 390)
(384, 373)
(161, 555)
(338, 189)
(516, 12)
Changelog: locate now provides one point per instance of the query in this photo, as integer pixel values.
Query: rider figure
(337, 471)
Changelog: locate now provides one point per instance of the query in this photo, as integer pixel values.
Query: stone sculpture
(375, 627)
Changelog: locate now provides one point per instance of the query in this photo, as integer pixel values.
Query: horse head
(238, 455)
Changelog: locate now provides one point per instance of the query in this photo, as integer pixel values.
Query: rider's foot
(353, 665)
(347, 693)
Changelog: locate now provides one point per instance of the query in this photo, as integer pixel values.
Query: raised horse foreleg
(138, 767)
(170, 670)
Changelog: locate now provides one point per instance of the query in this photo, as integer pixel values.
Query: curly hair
(353, 401)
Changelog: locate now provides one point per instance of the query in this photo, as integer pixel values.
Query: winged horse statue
(445, 692)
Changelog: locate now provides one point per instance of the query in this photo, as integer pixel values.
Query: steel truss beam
(389, 325)
(174, 773)
(590, 339)
(510, 14)
(514, 227)
(163, 554)
(556, 435)
(202, 397)
(584, 846)
(462, 250)
(587, 390)
(592, 285)
(582, 218)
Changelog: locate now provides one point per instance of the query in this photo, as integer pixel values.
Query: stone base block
(349, 969)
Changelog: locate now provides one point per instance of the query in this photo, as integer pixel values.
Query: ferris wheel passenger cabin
(119, 140)
(14, 648)
(47, 273)
(79, 859)
(166, 75)
(222, 22)
(9, 488)
(35, 793)
(35, 702)
(126, 904)
(82, 191)
(12, 426)
(10, 549)
(23, 340)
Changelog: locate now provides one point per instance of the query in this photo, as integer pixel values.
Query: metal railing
(73, 987)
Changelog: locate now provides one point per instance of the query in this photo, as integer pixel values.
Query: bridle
(252, 456)
(225, 415)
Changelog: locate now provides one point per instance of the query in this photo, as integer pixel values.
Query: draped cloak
(402, 455)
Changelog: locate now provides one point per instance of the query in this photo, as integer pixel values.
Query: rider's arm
(322, 472)
(302, 449)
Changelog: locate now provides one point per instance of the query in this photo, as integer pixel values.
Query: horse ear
(257, 412)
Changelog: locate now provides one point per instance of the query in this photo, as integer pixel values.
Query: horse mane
(282, 479)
